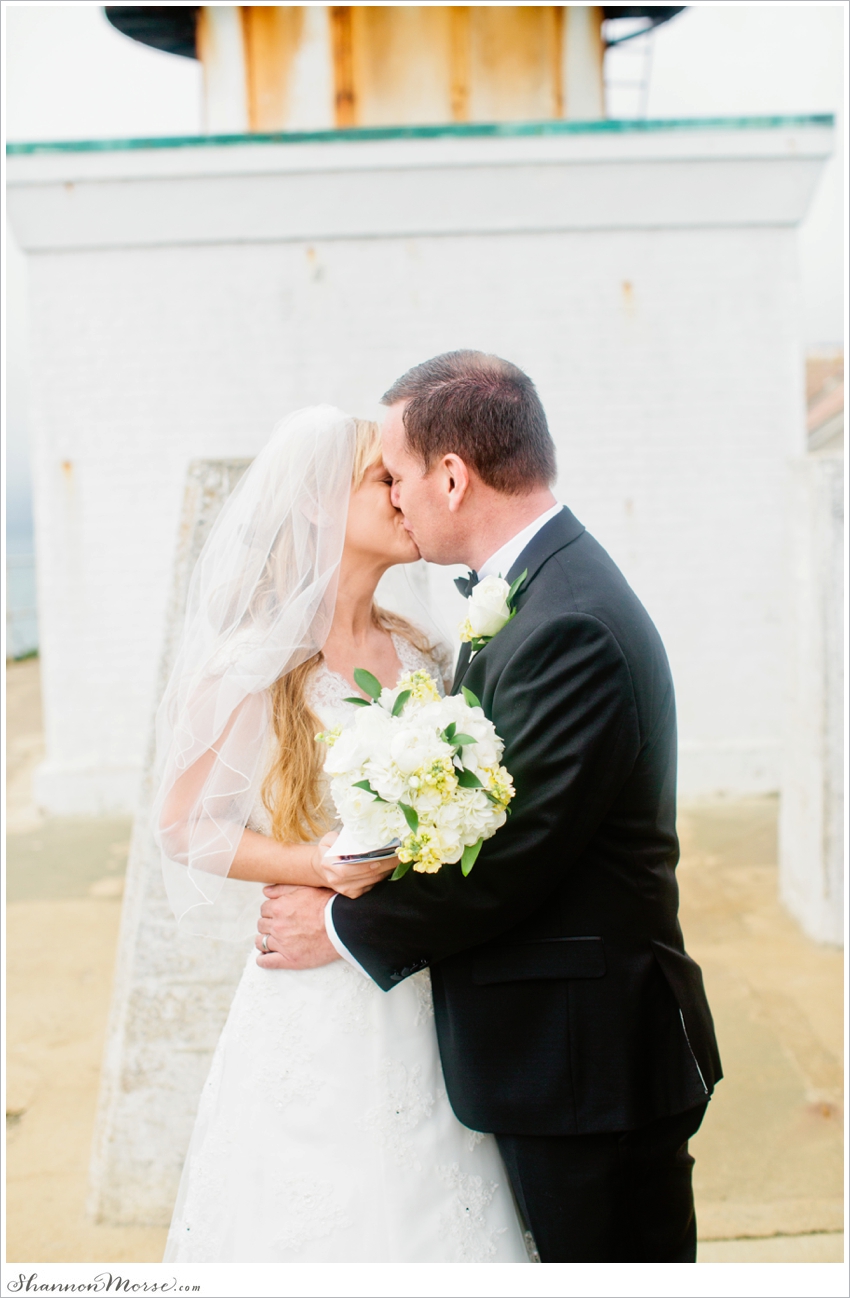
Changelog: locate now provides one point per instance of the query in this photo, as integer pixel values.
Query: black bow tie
(466, 585)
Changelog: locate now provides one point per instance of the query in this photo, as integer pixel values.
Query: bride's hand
(350, 878)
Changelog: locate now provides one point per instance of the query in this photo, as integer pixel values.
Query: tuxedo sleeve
(564, 705)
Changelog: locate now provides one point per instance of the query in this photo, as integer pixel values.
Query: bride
(324, 1133)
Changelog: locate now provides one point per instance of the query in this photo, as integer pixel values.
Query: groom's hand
(293, 923)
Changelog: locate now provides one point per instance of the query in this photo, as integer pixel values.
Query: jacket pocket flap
(557, 957)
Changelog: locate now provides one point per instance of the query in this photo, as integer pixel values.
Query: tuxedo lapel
(462, 664)
(559, 532)
(553, 536)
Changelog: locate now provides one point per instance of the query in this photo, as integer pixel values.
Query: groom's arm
(565, 706)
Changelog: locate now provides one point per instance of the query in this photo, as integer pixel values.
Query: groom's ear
(456, 481)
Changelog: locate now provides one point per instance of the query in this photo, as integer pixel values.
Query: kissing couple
(499, 1066)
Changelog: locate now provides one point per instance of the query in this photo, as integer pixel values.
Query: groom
(571, 1022)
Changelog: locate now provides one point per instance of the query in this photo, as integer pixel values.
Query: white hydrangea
(422, 769)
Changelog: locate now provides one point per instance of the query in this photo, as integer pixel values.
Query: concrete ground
(769, 1175)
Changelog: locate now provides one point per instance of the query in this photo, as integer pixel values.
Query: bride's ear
(456, 481)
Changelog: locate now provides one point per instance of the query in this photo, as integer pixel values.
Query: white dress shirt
(499, 565)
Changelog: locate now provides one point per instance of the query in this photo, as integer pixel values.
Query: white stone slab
(812, 821)
(172, 992)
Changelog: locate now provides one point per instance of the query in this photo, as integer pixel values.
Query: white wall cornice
(367, 188)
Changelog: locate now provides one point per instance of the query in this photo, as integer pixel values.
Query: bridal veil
(260, 602)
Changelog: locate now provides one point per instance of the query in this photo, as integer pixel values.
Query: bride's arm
(264, 860)
(259, 858)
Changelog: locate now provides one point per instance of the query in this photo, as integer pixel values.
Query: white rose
(439, 713)
(385, 779)
(416, 746)
(373, 725)
(480, 819)
(348, 753)
(452, 847)
(388, 698)
(373, 823)
(487, 749)
(366, 735)
(487, 606)
(353, 803)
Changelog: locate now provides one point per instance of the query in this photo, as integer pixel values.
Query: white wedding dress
(324, 1133)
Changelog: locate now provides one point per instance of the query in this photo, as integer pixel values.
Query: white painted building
(185, 296)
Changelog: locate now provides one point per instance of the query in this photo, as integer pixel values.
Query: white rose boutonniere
(489, 608)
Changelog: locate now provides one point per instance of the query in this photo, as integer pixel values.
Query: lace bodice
(327, 691)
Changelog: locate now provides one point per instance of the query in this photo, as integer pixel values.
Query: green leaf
(470, 856)
(460, 741)
(368, 683)
(361, 703)
(469, 697)
(410, 816)
(448, 733)
(364, 784)
(468, 780)
(400, 702)
(400, 871)
(515, 585)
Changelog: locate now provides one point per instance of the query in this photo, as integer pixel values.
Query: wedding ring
(266, 943)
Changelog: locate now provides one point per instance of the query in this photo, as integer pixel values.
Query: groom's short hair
(483, 409)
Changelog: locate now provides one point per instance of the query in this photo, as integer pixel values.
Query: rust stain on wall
(417, 64)
(459, 62)
(272, 35)
(345, 104)
(513, 52)
(402, 63)
(556, 53)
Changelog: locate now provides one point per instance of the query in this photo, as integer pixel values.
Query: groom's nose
(394, 496)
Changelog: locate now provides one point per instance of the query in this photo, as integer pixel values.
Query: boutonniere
(489, 608)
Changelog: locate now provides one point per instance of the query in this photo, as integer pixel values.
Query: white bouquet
(419, 770)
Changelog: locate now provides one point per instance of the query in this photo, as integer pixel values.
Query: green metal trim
(451, 130)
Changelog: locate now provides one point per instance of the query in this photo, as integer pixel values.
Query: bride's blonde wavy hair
(291, 790)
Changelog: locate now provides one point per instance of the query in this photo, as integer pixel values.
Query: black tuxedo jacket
(565, 1002)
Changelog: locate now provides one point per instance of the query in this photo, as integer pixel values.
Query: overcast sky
(70, 75)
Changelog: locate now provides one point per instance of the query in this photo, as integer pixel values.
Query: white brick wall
(665, 349)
